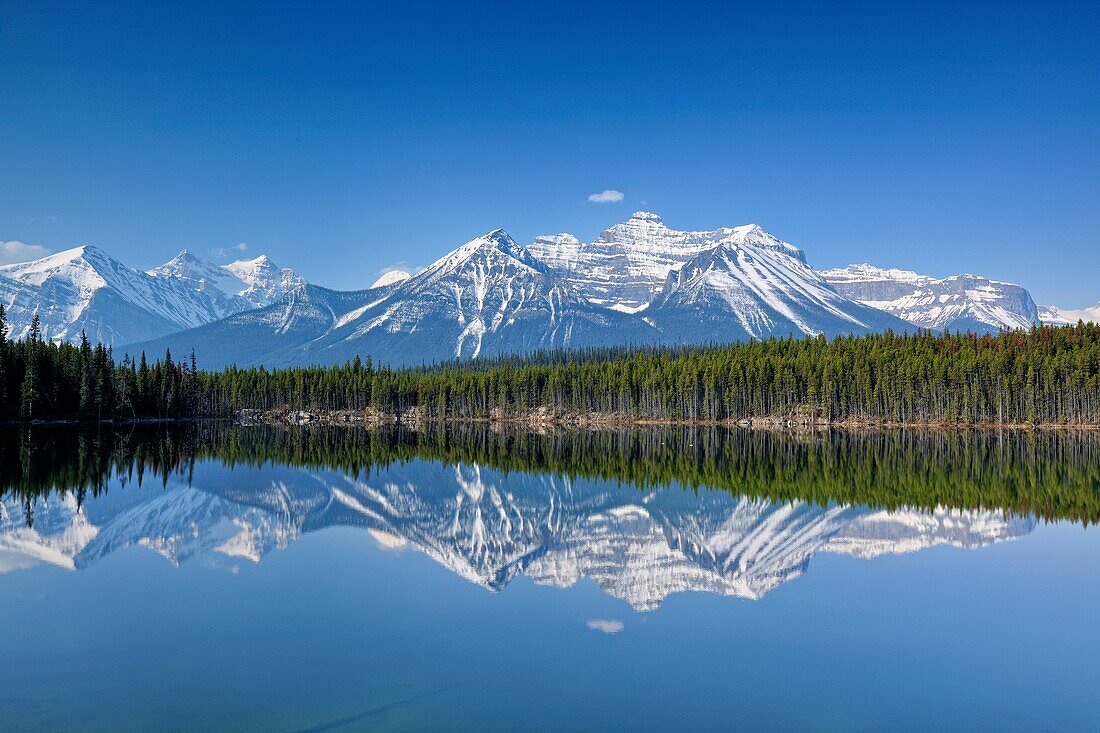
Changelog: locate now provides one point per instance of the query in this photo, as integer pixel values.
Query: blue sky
(343, 138)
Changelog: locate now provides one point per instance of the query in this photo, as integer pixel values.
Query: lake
(210, 577)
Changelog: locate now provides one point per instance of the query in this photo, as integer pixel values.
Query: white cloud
(607, 626)
(13, 251)
(227, 251)
(607, 196)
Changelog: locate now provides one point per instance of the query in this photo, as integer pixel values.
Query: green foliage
(1045, 376)
(48, 381)
(1048, 375)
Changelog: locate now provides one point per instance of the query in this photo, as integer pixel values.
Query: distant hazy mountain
(1054, 316)
(85, 288)
(959, 302)
(238, 286)
(490, 528)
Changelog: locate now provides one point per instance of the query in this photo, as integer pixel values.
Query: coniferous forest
(1049, 375)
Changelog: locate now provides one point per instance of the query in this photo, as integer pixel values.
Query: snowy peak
(959, 302)
(391, 277)
(493, 248)
(869, 273)
(1055, 316)
(626, 266)
(183, 265)
(85, 289)
(237, 286)
(739, 291)
(87, 265)
(753, 235)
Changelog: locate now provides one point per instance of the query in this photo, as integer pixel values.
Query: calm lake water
(470, 579)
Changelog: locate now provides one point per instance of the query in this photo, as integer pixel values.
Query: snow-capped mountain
(959, 302)
(489, 296)
(640, 282)
(490, 527)
(234, 287)
(627, 265)
(391, 277)
(1055, 316)
(753, 289)
(86, 289)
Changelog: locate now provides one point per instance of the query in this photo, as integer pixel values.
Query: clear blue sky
(344, 138)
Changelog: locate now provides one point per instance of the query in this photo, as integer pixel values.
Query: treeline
(1051, 474)
(1047, 375)
(40, 380)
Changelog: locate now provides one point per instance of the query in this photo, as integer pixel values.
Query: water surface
(466, 578)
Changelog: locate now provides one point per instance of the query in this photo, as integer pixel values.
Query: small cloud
(607, 196)
(12, 252)
(607, 626)
(223, 252)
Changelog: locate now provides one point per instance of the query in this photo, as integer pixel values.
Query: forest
(1047, 376)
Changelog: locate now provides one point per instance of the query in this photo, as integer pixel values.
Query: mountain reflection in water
(637, 540)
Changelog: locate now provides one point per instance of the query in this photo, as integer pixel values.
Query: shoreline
(540, 419)
(369, 418)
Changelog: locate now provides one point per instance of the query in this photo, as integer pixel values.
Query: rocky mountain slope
(235, 287)
(741, 291)
(638, 283)
(489, 296)
(958, 303)
(86, 289)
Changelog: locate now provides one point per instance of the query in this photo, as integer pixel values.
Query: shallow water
(420, 592)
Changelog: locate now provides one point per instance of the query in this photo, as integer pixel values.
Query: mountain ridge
(639, 282)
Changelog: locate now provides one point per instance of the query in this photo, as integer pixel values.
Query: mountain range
(489, 527)
(85, 289)
(639, 282)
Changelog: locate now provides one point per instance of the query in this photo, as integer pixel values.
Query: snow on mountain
(86, 289)
(626, 265)
(959, 302)
(1055, 316)
(234, 287)
(638, 282)
(390, 278)
(490, 528)
(489, 296)
(749, 288)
